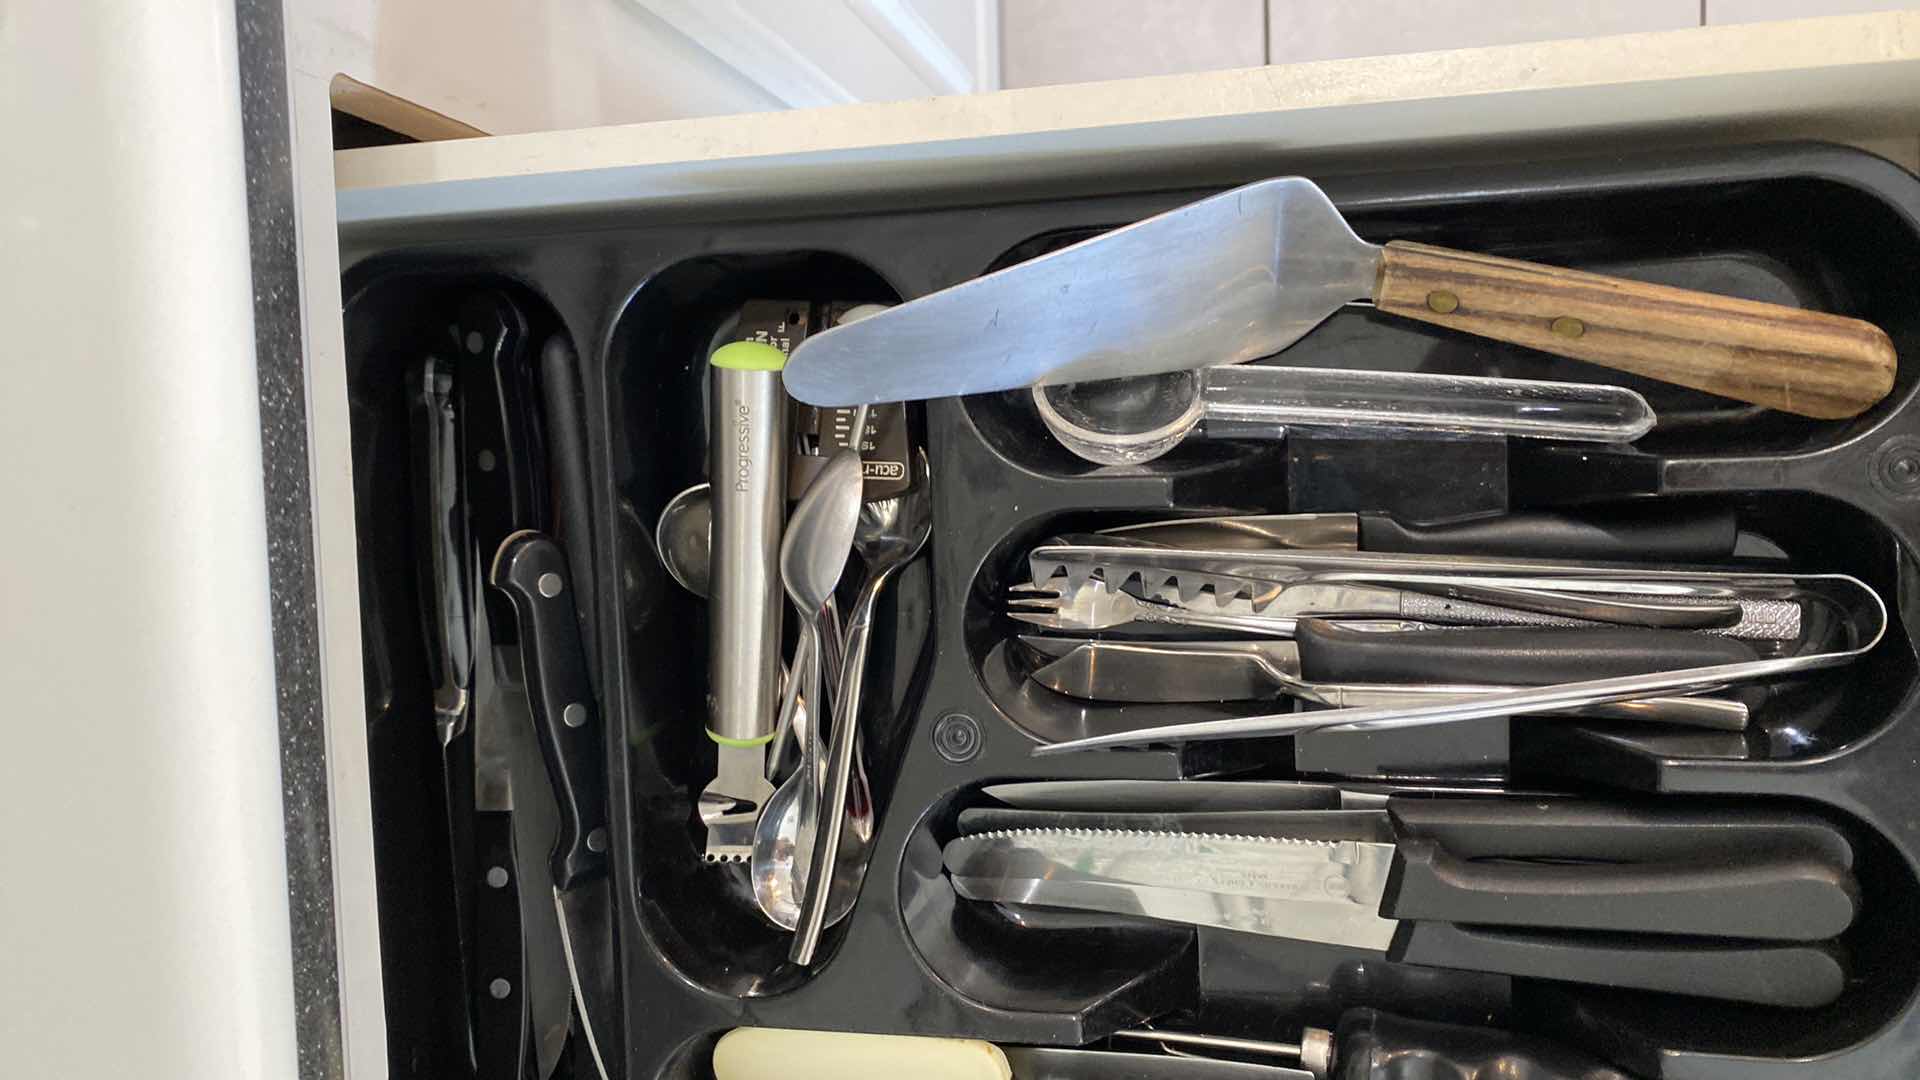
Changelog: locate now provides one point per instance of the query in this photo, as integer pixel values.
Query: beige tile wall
(1740, 11)
(1043, 42)
(1063, 41)
(1334, 29)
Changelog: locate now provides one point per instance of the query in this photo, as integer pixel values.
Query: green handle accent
(748, 356)
(744, 744)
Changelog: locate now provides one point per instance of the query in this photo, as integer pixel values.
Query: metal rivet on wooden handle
(1806, 362)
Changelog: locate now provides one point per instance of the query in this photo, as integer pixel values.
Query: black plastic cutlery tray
(641, 304)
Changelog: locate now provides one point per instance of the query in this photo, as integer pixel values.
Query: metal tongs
(1485, 591)
(1840, 618)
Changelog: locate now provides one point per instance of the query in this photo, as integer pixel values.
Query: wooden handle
(1805, 362)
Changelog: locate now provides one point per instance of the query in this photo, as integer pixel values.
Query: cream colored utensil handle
(788, 1054)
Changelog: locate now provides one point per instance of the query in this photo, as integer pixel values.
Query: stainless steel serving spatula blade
(1227, 279)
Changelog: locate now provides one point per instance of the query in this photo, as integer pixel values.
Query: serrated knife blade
(1346, 925)
(1344, 873)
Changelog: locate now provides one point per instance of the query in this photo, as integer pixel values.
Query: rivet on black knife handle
(532, 570)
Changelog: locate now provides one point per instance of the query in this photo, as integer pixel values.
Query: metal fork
(1094, 606)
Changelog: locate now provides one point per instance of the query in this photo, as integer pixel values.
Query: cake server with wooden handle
(1248, 272)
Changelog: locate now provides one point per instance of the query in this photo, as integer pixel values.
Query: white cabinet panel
(144, 923)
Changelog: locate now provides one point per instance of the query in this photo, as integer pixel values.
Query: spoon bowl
(683, 537)
(781, 846)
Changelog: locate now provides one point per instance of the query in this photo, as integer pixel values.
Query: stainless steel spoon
(683, 537)
(891, 532)
(780, 848)
(813, 555)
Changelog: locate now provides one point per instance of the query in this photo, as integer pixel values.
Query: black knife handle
(1373, 1045)
(1799, 976)
(1772, 899)
(566, 428)
(1503, 655)
(498, 991)
(440, 537)
(531, 569)
(1616, 832)
(1630, 533)
(504, 492)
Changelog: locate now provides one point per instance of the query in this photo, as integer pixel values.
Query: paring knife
(442, 568)
(1362, 673)
(532, 570)
(1248, 272)
(1744, 921)
(1629, 533)
(441, 550)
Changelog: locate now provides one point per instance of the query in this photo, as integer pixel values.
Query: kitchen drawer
(577, 226)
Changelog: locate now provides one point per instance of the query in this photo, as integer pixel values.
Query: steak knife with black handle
(1563, 890)
(532, 570)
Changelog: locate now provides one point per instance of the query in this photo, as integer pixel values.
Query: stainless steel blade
(1338, 872)
(536, 824)
(1173, 671)
(1237, 276)
(492, 743)
(1335, 925)
(587, 930)
(1062, 1063)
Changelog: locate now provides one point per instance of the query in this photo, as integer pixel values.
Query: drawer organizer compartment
(593, 335)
